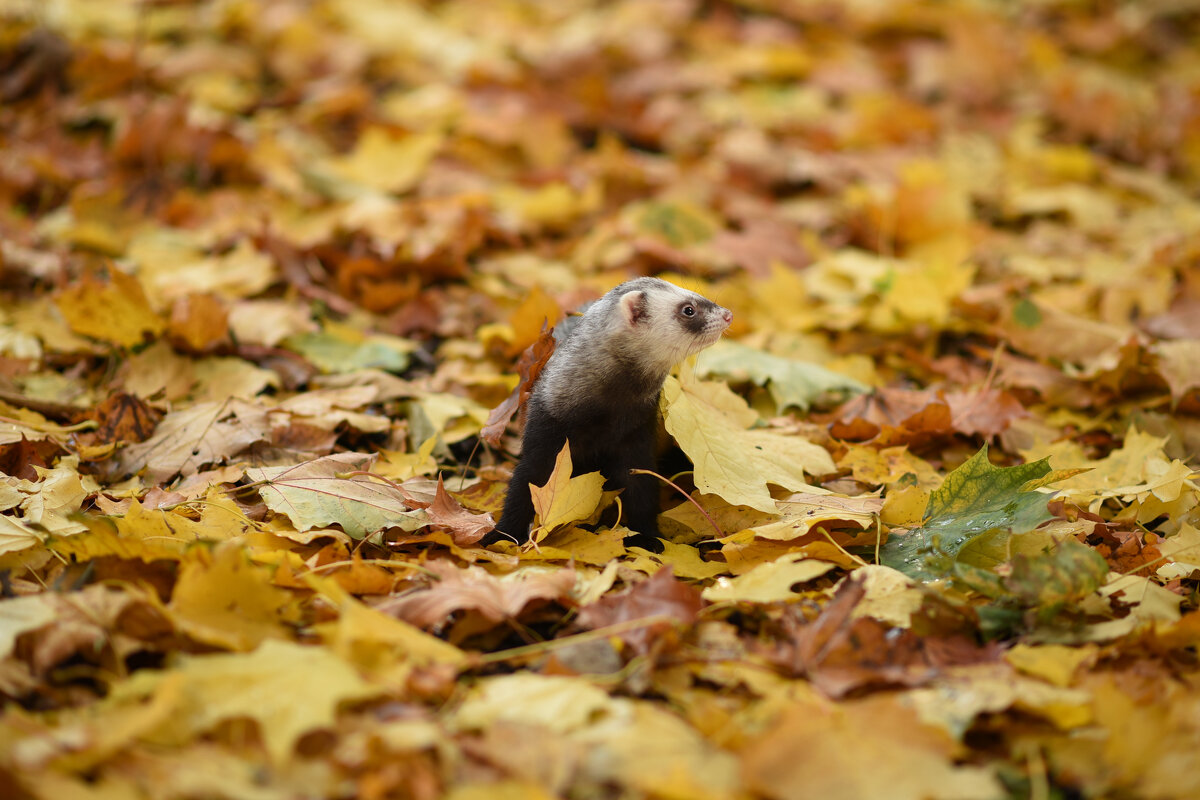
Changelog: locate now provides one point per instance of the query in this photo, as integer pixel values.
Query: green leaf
(975, 499)
(1027, 314)
(331, 353)
(680, 224)
(791, 383)
(1047, 583)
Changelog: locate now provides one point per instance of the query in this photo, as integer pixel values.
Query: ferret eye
(688, 311)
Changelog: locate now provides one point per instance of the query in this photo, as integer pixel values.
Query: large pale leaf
(194, 437)
(709, 423)
(321, 493)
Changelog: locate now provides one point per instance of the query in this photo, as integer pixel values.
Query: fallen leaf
(322, 493)
(708, 422)
(564, 498)
(204, 690)
(811, 752)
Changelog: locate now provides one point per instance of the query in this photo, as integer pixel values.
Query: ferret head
(658, 324)
(626, 343)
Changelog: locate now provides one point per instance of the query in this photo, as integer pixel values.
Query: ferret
(600, 389)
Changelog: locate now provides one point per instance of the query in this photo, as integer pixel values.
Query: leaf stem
(686, 496)
(383, 562)
(821, 530)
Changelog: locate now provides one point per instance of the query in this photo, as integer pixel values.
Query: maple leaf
(662, 595)
(191, 438)
(1046, 583)
(263, 686)
(770, 582)
(495, 598)
(791, 383)
(806, 754)
(465, 527)
(974, 499)
(564, 498)
(709, 423)
(116, 311)
(222, 599)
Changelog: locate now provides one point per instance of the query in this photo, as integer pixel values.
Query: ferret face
(667, 323)
(625, 344)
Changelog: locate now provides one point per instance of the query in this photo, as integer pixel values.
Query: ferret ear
(633, 307)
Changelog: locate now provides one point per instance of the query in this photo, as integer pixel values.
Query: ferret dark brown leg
(640, 500)
(540, 445)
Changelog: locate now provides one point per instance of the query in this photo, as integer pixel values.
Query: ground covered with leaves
(273, 278)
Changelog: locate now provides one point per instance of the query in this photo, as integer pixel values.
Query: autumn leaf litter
(275, 278)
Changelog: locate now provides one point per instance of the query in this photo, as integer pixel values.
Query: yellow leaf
(1135, 471)
(881, 467)
(380, 645)
(1182, 552)
(288, 689)
(584, 546)
(223, 599)
(1055, 663)
(770, 582)
(563, 499)
(17, 424)
(687, 563)
(536, 310)
(397, 466)
(817, 750)
(656, 754)
(21, 614)
(905, 508)
(153, 534)
(891, 596)
(709, 423)
(559, 703)
(554, 204)
(502, 790)
(116, 311)
(1152, 605)
(921, 291)
(243, 271)
(384, 161)
(803, 511)
(957, 698)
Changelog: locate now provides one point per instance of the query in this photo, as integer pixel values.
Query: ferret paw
(496, 535)
(644, 541)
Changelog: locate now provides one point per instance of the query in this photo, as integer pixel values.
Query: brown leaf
(199, 323)
(890, 417)
(841, 654)
(661, 595)
(529, 367)
(473, 589)
(19, 458)
(986, 412)
(124, 418)
(464, 527)
(816, 750)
